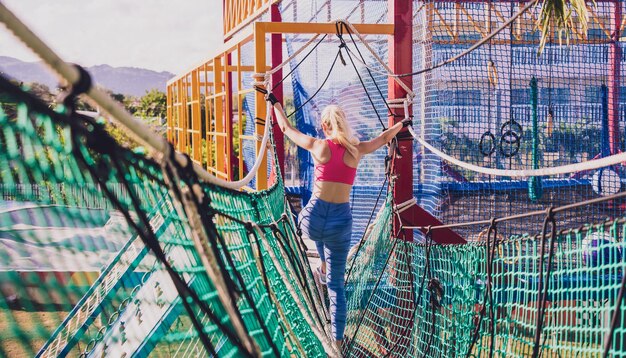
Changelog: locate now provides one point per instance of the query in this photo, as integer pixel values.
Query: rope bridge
(195, 268)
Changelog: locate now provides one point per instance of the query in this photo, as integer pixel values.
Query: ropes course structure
(198, 265)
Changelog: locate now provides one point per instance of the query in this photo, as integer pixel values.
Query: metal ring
(515, 144)
(481, 145)
(124, 303)
(90, 346)
(513, 125)
(113, 318)
(101, 333)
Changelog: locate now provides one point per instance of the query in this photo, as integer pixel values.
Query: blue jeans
(329, 225)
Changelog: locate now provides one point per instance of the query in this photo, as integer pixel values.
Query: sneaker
(322, 276)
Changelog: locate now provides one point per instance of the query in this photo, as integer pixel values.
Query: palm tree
(559, 14)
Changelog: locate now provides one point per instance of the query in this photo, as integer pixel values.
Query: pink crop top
(335, 169)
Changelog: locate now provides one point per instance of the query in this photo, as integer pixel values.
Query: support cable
(332, 66)
(488, 292)
(342, 45)
(450, 60)
(341, 26)
(295, 67)
(542, 292)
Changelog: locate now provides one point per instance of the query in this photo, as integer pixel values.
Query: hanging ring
(511, 126)
(489, 138)
(514, 145)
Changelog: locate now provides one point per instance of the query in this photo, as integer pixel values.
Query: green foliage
(556, 15)
(152, 105)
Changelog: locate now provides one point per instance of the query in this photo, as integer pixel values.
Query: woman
(327, 218)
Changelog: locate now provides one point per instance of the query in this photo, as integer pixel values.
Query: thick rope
(563, 169)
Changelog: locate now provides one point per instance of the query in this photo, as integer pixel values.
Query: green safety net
(482, 299)
(105, 251)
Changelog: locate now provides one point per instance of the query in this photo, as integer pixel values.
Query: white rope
(137, 129)
(399, 208)
(563, 169)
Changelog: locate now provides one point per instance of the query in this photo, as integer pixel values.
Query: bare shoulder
(320, 147)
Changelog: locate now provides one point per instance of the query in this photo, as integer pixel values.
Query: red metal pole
(276, 45)
(401, 61)
(614, 81)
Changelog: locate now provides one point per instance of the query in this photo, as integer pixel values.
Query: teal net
(101, 255)
(484, 299)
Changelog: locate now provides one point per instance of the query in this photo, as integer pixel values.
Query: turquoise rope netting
(134, 305)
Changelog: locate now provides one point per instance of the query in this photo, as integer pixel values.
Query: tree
(153, 105)
(558, 13)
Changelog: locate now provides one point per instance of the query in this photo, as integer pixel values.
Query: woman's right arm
(382, 139)
(302, 140)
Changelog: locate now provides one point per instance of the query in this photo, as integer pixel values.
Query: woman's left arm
(383, 138)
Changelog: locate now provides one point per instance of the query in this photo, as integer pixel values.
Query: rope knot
(436, 292)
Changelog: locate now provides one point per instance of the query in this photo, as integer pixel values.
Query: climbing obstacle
(222, 272)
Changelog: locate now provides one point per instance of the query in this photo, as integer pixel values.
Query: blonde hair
(335, 120)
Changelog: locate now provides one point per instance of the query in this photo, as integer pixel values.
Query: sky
(160, 35)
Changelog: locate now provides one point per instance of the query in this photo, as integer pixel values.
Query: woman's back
(335, 170)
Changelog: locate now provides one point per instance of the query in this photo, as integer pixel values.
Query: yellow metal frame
(208, 85)
(261, 30)
(239, 13)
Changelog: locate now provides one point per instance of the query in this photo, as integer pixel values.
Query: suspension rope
(341, 26)
(295, 67)
(369, 97)
(450, 60)
(332, 66)
(542, 292)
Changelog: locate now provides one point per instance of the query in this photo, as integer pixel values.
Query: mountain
(126, 80)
